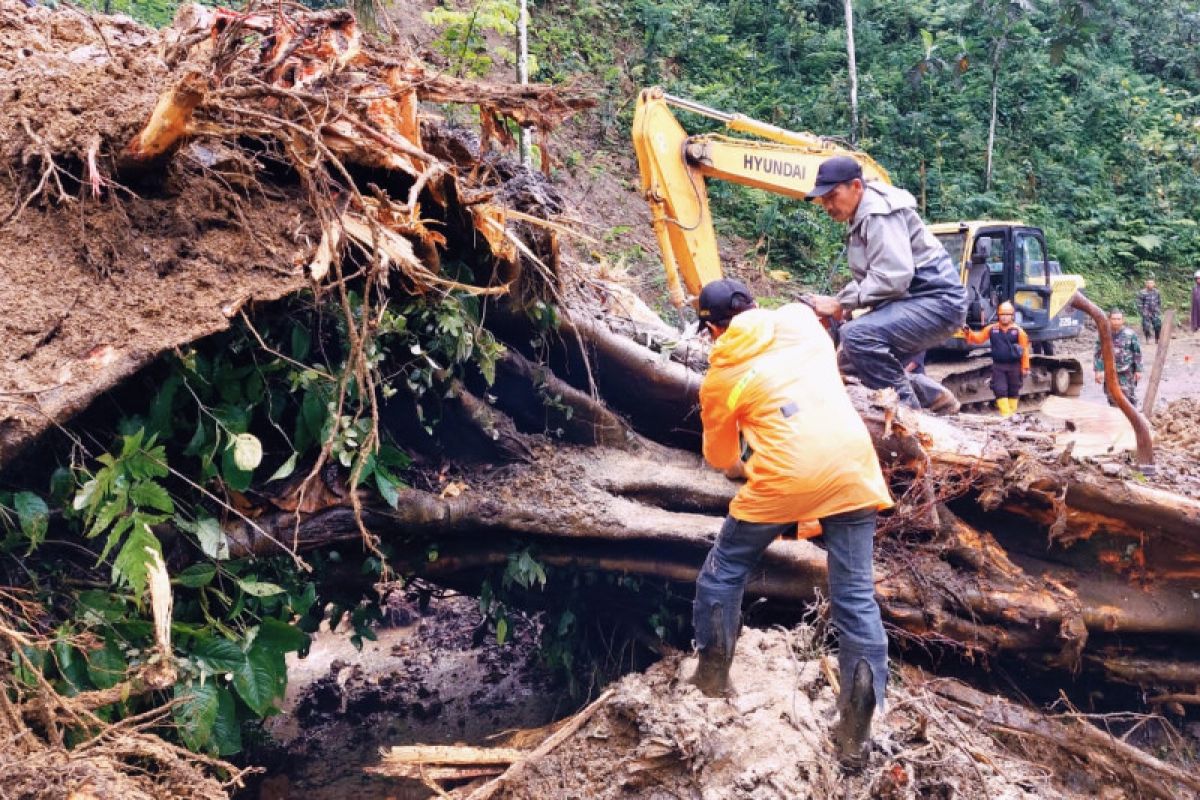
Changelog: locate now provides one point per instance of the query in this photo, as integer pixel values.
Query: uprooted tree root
(56, 746)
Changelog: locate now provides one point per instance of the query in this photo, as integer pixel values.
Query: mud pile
(1177, 427)
(656, 736)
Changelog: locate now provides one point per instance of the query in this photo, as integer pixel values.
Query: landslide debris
(654, 736)
(155, 184)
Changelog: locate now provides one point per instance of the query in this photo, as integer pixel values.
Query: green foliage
(463, 35)
(1097, 131)
(217, 420)
(121, 501)
(152, 12)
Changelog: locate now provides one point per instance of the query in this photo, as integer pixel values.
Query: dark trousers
(1151, 327)
(849, 541)
(877, 345)
(1007, 379)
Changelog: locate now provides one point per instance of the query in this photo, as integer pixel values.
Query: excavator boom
(674, 166)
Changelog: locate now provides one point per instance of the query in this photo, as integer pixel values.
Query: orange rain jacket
(982, 335)
(773, 377)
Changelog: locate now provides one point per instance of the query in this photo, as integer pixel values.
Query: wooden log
(451, 754)
(1160, 360)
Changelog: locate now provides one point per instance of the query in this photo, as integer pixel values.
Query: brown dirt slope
(95, 287)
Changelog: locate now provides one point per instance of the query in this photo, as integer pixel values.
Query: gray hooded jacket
(892, 254)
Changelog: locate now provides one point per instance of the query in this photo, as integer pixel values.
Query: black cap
(720, 300)
(834, 172)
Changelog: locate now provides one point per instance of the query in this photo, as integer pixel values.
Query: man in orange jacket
(773, 382)
(1010, 357)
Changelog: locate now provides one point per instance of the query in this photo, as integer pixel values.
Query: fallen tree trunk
(631, 512)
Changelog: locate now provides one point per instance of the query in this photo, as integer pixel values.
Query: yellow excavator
(998, 260)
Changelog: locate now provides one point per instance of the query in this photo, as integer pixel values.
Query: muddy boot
(945, 404)
(712, 669)
(852, 734)
(712, 673)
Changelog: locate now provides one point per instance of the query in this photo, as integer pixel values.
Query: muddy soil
(428, 679)
(660, 738)
(96, 280)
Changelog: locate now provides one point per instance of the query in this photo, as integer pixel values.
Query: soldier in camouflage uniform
(1149, 303)
(1127, 355)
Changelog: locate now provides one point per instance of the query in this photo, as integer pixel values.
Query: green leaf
(208, 532)
(235, 418)
(28, 662)
(236, 478)
(1148, 242)
(392, 456)
(247, 451)
(131, 565)
(196, 709)
(71, 665)
(199, 439)
(108, 513)
(501, 630)
(389, 490)
(114, 536)
(147, 462)
(152, 495)
(161, 408)
(33, 516)
(280, 636)
(61, 484)
(218, 655)
(106, 666)
(102, 604)
(314, 412)
(86, 495)
(261, 679)
(257, 588)
(226, 732)
(301, 342)
(285, 469)
(197, 575)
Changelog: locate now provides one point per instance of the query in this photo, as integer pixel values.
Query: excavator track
(970, 380)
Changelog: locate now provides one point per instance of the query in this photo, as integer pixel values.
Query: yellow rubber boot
(1005, 406)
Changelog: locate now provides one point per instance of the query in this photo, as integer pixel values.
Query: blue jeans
(849, 544)
(876, 346)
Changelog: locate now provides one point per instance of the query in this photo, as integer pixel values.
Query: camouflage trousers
(1128, 388)
(1151, 326)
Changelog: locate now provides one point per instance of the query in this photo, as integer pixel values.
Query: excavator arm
(675, 165)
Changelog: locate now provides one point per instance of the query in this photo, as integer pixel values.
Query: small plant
(463, 38)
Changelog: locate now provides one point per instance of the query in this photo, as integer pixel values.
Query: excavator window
(985, 278)
(1031, 260)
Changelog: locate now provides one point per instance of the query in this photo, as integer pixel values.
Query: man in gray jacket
(902, 276)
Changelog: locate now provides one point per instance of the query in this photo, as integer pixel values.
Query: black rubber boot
(852, 735)
(712, 669)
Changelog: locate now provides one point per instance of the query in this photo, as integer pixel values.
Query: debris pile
(653, 735)
(158, 183)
